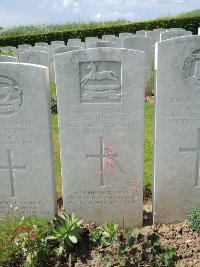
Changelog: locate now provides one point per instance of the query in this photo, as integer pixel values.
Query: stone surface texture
(142, 43)
(101, 133)
(176, 189)
(35, 57)
(26, 156)
(7, 59)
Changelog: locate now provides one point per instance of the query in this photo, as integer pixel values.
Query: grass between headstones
(148, 147)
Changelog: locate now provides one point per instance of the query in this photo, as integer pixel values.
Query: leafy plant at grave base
(54, 105)
(167, 256)
(67, 231)
(129, 247)
(109, 233)
(23, 242)
(194, 220)
(134, 249)
(95, 235)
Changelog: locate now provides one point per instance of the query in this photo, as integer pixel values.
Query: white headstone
(58, 43)
(24, 46)
(141, 32)
(114, 39)
(198, 31)
(144, 44)
(105, 36)
(100, 96)
(125, 34)
(173, 34)
(7, 59)
(155, 34)
(89, 40)
(35, 57)
(72, 41)
(38, 48)
(26, 155)
(21, 50)
(51, 59)
(175, 29)
(101, 44)
(64, 49)
(41, 44)
(177, 129)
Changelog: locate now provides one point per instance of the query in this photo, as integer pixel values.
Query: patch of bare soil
(178, 235)
(149, 99)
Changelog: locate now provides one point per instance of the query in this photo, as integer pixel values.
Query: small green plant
(33, 244)
(109, 233)
(95, 235)
(129, 247)
(194, 220)
(22, 242)
(67, 231)
(167, 256)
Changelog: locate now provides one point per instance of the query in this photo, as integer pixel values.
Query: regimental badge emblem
(191, 71)
(100, 82)
(11, 96)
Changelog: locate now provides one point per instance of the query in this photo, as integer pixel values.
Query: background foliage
(188, 23)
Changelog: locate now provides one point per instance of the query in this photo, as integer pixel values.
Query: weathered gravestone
(89, 40)
(58, 43)
(24, 46)
(51, 57)
(101, 44)
(144, 44)
(173, 34)
(141, 32)
(100, 96)
(177, 129)
(35, 57)
(42, 44)
(26, 154)
(64, 49)
(7, 58)
(175, 29)
(70, 42)
(114, 39)
(105, 36)
(125, 34)
(38, 48)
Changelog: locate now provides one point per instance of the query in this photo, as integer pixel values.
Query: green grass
(147, 149)
(53, 88)
(193, 13)
(57, 155)
(10, 253)
(45, 28)
(148, 146)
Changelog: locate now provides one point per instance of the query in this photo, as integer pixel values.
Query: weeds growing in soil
(36, 242)
(194, 220)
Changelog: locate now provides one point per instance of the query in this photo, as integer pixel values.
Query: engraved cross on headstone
(197, 150)
(101, 156)
(11, 169)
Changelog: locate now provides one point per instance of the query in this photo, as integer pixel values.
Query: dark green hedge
(190, 24)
